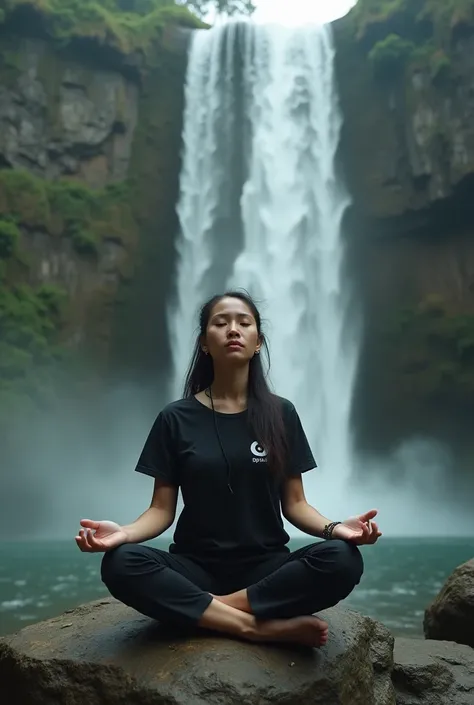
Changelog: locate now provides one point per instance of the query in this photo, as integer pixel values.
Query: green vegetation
(39, 324)
(434, 350)
(390, 55)
(126, 25)
(445, 15)
(64, 208)
(369, 13)
(397, 32)
(30, 325)
(33, 319)
(9, 236)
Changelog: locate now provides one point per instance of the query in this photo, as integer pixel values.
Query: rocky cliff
(406, 78)
(90, 124)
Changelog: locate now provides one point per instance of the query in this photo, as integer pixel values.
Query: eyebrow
(226, 315)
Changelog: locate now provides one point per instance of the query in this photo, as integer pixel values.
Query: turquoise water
(40, 579)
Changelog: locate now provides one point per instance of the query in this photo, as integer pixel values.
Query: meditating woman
(237, 452)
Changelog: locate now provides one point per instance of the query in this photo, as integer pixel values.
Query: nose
(233, 331)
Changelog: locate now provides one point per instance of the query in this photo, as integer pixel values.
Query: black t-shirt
(183, 449)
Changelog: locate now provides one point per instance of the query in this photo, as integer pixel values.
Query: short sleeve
(159, 455)
(300, 456)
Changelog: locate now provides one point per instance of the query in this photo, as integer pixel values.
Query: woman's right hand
(100, 536)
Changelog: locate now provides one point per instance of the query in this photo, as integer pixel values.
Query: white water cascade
(261, 208)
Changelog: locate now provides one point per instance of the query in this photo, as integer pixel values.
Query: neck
(231, 384)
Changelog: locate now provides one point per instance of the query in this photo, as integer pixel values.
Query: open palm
(100, 536)
(359, 529)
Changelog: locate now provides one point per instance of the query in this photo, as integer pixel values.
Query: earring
(206, 352)
(257, 352)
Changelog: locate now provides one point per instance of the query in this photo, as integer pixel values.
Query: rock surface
(409, 145)
(407, 153)
(451, 615)
(104, 653)
(433, 673)
(62, 118)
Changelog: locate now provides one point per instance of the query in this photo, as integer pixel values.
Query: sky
(297, 12)
(301, 11)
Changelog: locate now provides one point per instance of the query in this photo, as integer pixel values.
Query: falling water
(261, 208)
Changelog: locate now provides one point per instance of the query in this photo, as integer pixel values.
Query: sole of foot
(306, 631)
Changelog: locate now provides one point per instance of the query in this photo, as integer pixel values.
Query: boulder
(104, 653)
(451, 616)
(433, 673)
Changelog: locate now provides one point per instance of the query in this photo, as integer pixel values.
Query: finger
(375, 533)
(87, 544)
(92, 541)
(89, 524)
(85, 540)
(377, 530)
(371, 514)
(81, 542)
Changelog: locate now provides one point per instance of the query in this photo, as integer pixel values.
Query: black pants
(176, 589)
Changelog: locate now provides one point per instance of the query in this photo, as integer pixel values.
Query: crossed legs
(284, 590)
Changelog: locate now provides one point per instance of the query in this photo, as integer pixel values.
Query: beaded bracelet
(329, 528)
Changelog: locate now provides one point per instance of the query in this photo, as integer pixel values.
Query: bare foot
(308, 631)
(305, 630)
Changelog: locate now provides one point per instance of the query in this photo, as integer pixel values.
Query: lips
(234, 344)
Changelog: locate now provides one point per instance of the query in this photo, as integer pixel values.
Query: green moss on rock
(9, 237)
(33, 320)
(390, 55)
(393, 31)
(122, 35)
(435, 352)
(66, 208)
(30, 349)
(126, 27)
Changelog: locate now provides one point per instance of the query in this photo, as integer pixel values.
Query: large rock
(433, 673)
(451, 616)
(106, 654)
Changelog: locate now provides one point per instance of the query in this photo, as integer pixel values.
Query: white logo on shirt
(259, 452)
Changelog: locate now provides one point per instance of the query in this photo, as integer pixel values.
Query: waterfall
(261, 208)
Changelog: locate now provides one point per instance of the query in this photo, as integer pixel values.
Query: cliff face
(90, 124)
(406, 80)
(66, 133)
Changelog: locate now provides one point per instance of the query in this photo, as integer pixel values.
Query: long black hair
(265, 416)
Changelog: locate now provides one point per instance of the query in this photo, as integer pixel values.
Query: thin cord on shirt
(220, 441)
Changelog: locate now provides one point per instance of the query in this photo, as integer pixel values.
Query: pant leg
(172, 589)
(307, 581)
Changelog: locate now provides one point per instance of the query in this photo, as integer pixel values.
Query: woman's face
(231, 334)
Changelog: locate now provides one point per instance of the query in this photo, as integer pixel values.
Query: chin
(240, 355)
(236, 351)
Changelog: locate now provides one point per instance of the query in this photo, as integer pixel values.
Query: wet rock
(451, 615)
(433, 673)
(61, 118)
(106, 654)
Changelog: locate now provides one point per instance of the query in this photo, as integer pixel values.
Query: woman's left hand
(360, 530)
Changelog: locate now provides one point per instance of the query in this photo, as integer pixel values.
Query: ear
(203, 344)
